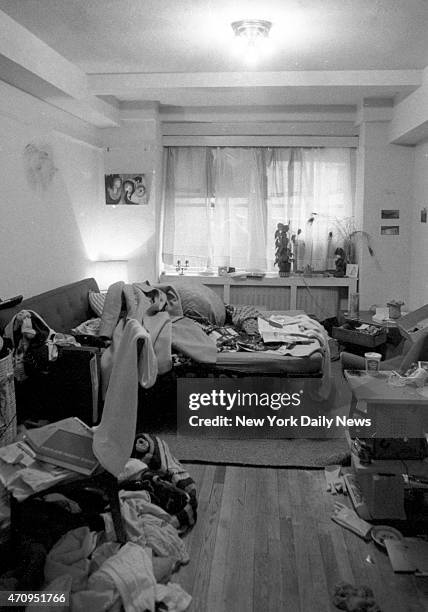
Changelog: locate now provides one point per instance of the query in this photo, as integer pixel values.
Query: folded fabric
(70, 555)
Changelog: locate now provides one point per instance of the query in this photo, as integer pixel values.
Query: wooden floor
(264, 541)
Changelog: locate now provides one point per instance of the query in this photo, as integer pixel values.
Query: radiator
(265, 297)
(323, 302)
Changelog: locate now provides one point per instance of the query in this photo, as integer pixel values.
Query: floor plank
(265, 541)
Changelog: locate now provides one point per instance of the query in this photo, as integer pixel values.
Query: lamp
(110, 271)
(252, 37)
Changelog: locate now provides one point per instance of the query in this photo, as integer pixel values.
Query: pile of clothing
(33, 342)
(65, 539)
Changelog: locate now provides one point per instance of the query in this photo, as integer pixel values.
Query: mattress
(268, 363)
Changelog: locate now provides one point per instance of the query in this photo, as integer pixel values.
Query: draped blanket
(144, 323)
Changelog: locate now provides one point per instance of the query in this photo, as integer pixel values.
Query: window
(222, 205)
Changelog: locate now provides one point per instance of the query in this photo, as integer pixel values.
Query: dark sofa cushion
(62, 308)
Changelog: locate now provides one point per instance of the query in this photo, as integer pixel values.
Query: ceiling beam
(409, 124)
(26, 109)
(29, 64)
(20, 46)
(118, 83)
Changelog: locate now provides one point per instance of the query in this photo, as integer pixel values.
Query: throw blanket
(157, 324)
(158, 309)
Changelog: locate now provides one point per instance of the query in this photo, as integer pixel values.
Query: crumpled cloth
(70, 555)
(110, 577)
(129, 573)
(148, 525)
(173, 596)
(127, 579)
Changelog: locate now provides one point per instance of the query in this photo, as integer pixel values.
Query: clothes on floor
(148, 525)
(109, 577)
(70, 555)
(38, 526)
(155, 453)
(354, 599)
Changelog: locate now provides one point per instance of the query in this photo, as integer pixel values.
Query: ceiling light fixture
(252, 36)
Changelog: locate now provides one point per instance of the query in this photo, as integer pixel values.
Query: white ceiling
(180, 52)
(195, 35)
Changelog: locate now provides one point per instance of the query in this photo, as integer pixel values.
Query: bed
(67, 307)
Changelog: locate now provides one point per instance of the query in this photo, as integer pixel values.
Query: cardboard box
(348, 334)
(414, 324)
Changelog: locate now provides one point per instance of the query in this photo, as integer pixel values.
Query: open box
(414, 324)
(349, 334)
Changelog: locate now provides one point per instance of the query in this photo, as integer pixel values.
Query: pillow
(201, 303)
(96, 302)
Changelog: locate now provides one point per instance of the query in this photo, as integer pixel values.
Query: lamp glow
(251, 36)
(110, 271)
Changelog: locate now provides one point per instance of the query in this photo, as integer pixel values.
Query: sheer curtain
(222, 205)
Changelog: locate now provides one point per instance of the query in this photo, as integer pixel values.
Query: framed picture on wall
(390, 230)
(352, 270)
(390, 214)
(127, 189)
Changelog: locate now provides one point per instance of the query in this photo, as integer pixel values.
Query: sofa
(62, 308)
(68, 387)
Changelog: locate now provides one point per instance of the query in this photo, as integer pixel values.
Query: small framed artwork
(423, 215)
(127, 189)
(390, 230)
(390, 214)
(352, 270)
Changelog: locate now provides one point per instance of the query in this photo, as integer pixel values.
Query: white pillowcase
(96, 302)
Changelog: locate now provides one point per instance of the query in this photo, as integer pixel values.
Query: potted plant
(283, 249)
(349, 240)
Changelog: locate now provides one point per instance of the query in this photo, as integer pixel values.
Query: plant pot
(284, 269)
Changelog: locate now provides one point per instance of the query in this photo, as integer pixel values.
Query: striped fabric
(155, 453)
(96, 302)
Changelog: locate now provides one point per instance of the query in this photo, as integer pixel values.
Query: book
(67, 444)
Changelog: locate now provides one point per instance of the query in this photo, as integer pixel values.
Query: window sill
(271, 278)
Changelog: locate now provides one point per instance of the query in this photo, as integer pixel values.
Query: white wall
(384, 181)
(42, 242)
(419, 231)
(129, 232)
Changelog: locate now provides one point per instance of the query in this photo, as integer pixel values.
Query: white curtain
(222, 205)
